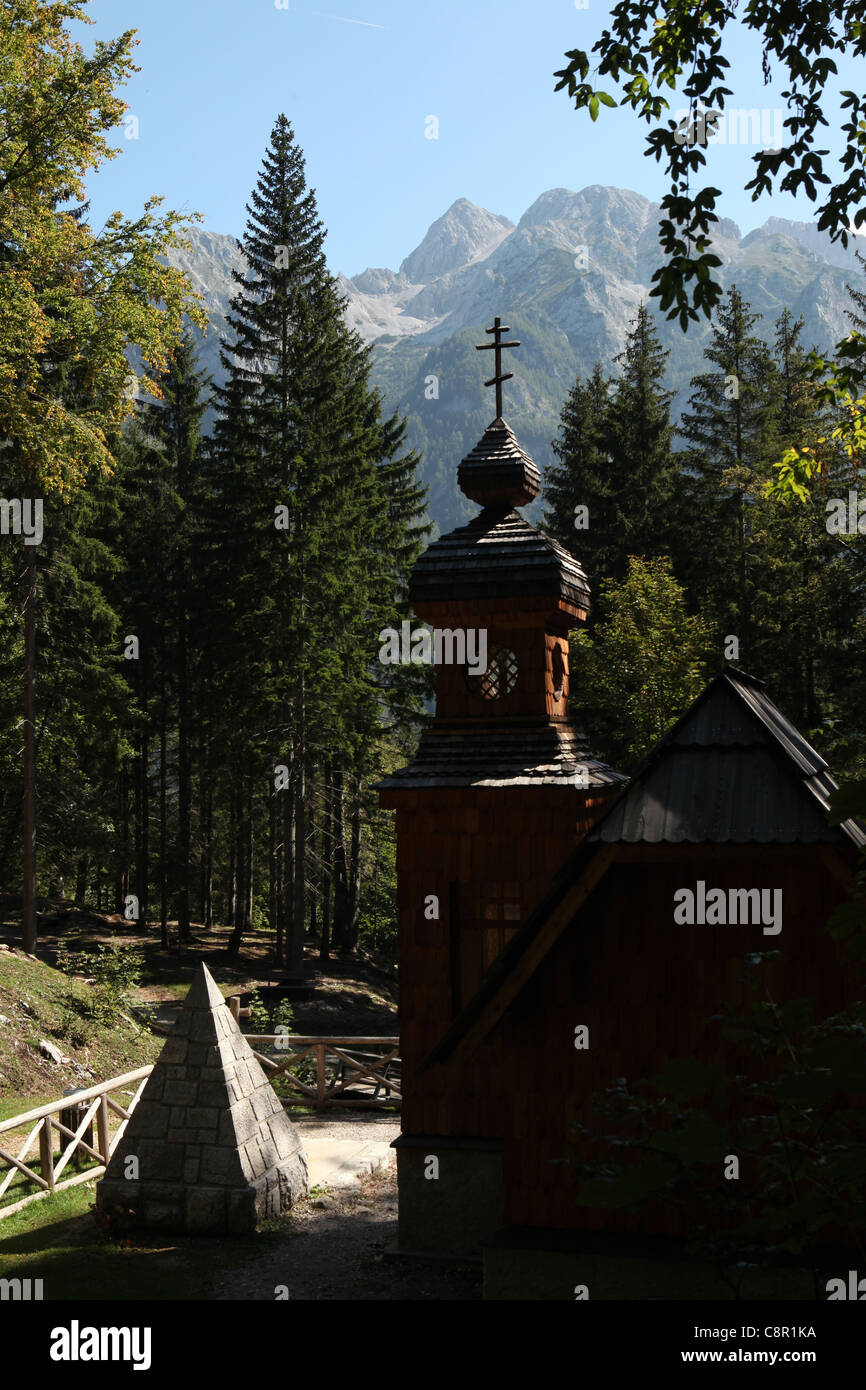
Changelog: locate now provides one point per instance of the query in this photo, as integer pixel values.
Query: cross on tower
(497, 345)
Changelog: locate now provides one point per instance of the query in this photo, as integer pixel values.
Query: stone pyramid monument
(215, 1149)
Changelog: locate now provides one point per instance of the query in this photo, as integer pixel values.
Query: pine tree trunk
(231, 904)
(354, 907)
(163, 813)
(207, 912)
(142, 869)
(272, 869)
(327, 853)
(242, 916)
(184, 772)
(341, 874)
(123, 874)
(295, 943)
(28, 894)
(251, 844)
(279, 802)
(82, 870)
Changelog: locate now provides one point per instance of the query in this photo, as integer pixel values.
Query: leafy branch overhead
(651, 51)
(72, 298)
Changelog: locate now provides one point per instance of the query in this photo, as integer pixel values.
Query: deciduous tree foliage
(651, 51)
(72, 299)
(644, 664)
(780, 595)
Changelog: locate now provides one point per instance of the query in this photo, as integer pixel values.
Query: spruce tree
(581, 479)
(726, 429)
(303, 534)
(617, 460)
(644, 468)
(174, 423)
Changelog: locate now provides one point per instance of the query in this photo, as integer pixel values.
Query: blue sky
(358, 80)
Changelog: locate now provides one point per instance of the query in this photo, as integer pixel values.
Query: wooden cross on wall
(497, 345)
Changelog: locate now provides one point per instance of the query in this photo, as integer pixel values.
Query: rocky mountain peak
(463, 234)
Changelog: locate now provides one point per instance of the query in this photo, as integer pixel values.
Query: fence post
(102, 1129)
(320, 1076)
(234, 1003)
(46, 1153)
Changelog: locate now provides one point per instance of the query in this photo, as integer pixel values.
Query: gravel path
(332, 1248)
(365, 1126)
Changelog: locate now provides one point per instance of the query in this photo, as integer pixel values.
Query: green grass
(58, 1240)
(18, 1105)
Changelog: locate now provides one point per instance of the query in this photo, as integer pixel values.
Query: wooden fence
(334, 1067)
(96, 1103)
(333, 1071)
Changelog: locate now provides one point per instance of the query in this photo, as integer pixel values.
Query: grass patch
(57, 1240)
(41, 1002)
(18, 1105)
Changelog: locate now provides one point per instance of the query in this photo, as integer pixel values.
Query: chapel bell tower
(503, 785)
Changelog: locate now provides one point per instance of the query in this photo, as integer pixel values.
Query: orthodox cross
(497, 345)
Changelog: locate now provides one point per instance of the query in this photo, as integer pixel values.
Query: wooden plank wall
(644, 986)
(465, 836)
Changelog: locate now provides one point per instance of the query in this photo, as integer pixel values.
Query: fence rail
(95, 1104)
(347, 1072)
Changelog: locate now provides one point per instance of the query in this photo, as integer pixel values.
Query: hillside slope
(39, 1004)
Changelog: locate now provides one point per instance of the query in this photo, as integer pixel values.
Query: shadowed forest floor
(331, 1247)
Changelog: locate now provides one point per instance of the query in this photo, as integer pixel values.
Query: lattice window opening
(559, 672)
(499, 679)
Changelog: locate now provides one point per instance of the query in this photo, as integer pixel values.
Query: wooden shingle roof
(518, 755)
(733, 770)
(498, 555)
(497, 472)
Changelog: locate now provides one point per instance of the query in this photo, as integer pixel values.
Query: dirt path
(333, 1249)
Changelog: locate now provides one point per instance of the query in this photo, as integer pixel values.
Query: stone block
(208, 1124)
(268, 1149)
(184, 1135)
(219, 1166)
(177, 1092)
(242, 1213)
(253, 1159)
(163, 1213)
(203, 1116)
(160, 1162)
(212, 1093)
(286, 1140)
(155, 1088)
(224, 1024)
(244, 1121)
(206, 1211)
(456, 1216)
(260, 1102)
(173, 1053)
(151, 1117)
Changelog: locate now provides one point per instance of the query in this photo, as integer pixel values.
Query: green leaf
(847, 801)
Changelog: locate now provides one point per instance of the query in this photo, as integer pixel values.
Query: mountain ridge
(569, 276)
